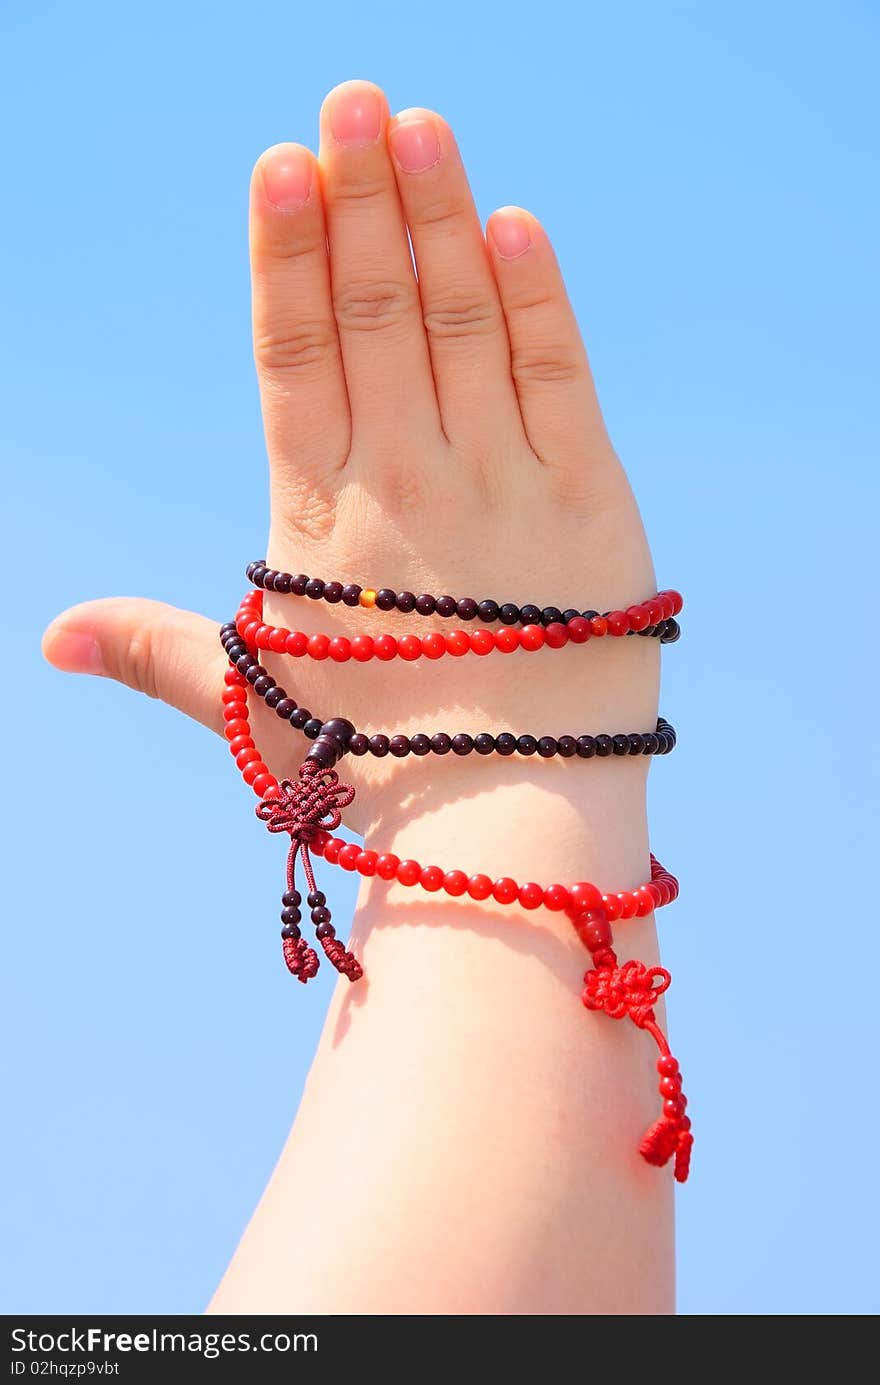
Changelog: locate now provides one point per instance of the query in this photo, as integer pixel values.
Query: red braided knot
(303, 807)
(627, 990)
(631, 991)
(302, 960)
(311, 803)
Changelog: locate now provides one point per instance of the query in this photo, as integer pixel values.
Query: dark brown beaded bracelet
(665, 628)
(658, 742)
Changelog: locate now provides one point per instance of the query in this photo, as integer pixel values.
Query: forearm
(468, 1137)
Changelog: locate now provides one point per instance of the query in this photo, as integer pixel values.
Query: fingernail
(75, 651)
(287, 178)
(511, 234)
(415, 145)
(355, 116)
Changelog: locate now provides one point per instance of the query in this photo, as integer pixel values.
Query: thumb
(155, 649)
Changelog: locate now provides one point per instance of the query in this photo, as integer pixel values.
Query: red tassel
(660, 1142)
(302, 960)
(630, 992)
(344, 962)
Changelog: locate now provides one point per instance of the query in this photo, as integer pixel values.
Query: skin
(475, 1128)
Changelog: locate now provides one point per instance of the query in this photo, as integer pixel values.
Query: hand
(441, 434)
(436, 433)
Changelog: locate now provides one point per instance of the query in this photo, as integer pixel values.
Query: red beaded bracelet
(644, 617)
(250, 625)
(309, 809)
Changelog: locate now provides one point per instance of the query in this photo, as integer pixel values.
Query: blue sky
(709, 176)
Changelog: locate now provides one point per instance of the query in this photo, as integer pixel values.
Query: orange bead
(367, 597)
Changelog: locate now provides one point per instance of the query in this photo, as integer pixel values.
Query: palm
(436, 433)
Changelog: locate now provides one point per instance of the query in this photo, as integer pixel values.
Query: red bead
(556, 897)
(506, 639)
(644, 902)
(481, 641)
(239, 727)
(433, 645)
(531, 896)
(386, 866)
(246, 757)
(340, 649)
(385, 647)
(505, 890)
(409, 647)
(677, 601)
(455, 882)
(594, 930)
(670, 1087)
(583, 895)
(241, 743)
(233, 678)
(627, 903)
(319, 646)
(531, 637)
(618, 624)
(261, 638)
(408, 872)
(277, 640)
(234, 711)
(599, 625)
(263, 782)
(579, 630)
(332, 850)
(431, 878)
(296, 644)
(249, 632)
(479, 887)
(319, 841)
(367, 862)
(233, 695)
(348, 856)
(654, 608)
(555, 634)
(362, 648)
(653, 889)
(611, 905)
(637, 617)
(457, 643)
(673, 1110)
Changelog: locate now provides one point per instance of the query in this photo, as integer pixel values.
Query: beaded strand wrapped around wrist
(340, 648)
(309, 809)
(658, 742)
(650, 618)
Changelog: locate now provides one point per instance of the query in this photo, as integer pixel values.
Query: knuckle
(548, 365)
(441, 213)
(290, 245)
(294, 346)
(367, 190)
(532, 301)
(468, 317)
(139, 666)
(374, 306)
